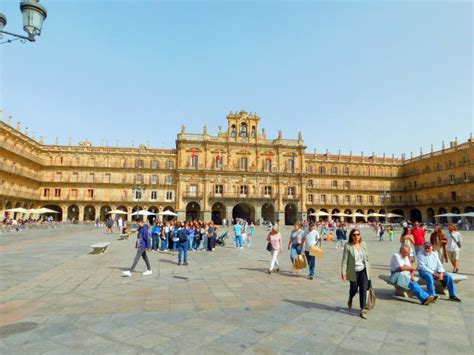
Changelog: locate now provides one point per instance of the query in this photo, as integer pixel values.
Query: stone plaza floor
(56, 297)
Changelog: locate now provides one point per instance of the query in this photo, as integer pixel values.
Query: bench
(405, 292)
(100, 248)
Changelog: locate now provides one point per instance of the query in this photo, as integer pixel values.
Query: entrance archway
(135, 209)
(217, 213)
(193, 211)
(56, 216)
(349, 212)
(125, 209)
(103, 212)
(457, 211)
(89, 213)
(73, 213)
(290, 214)
(323, 218)
(430, 215)
(311, 218)
(243, 211)
(268, 212)
(360, 219)
(442, 220)
(153, 218)
(400, 212)
(333, 212)
(415, 215)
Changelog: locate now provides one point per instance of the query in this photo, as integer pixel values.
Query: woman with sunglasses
(355, 267)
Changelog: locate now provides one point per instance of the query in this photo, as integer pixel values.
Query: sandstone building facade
(240, 172)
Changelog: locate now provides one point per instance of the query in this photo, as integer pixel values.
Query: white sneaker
(148, 272)
(127, 273)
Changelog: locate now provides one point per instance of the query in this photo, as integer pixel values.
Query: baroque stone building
(238, 173)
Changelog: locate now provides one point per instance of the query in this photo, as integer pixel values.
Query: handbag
(269, 246)
(371, 298)
(300, 262)
(316, 251)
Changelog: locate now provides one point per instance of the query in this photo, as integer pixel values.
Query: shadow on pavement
(325, 307)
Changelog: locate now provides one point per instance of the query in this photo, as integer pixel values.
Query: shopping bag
(300, 262)
(316, 251)
(371, 298)
(269, 246)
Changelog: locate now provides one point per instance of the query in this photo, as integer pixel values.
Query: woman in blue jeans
(296, 238)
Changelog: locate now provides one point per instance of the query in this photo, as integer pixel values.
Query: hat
(428, 244)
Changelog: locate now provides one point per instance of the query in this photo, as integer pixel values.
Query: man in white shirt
(454, 246)
(402, 274)
(310, 239)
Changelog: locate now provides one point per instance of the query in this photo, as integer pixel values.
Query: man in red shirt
(419, 237)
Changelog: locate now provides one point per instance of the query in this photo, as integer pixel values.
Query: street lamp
(384, 195)
(33, 16)
(137, 192)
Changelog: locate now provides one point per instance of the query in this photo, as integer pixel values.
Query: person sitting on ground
(431, 269)
(403, 275)
(126, 230)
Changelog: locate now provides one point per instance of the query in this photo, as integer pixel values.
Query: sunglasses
(356, 234)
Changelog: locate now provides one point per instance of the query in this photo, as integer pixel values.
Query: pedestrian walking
(439, 241)
(355, 267)
(310, 239)
(155, 237)
(295, 244)
(274, 238)
(142, 244)
(454, 246)
(182, 245)
(238, 236)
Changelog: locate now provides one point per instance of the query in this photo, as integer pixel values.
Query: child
(391, 233)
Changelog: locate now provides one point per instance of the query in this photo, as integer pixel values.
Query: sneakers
(185, 264)
(269, 271)
(310, 277)
(454, 298)
(429, 300)
(148, 272)
(363, 314)
(127, 273)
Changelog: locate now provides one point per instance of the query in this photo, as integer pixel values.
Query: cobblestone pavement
(55, 297)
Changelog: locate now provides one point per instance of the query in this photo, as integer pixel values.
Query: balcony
(192, 194)
(294, 197)
(234, 195)
(18, 170)
(21, 152)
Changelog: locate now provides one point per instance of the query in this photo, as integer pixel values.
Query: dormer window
(233, 131)
(253, 132)
(243, 130)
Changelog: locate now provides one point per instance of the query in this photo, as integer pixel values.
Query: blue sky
(372, 76)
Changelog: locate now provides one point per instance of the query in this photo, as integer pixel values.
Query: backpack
(183, 235)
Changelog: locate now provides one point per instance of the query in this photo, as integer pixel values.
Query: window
(253, 132)
(154, 179)
(243, 189)
(154, 164)
(218, 162)
(347, 184)
(438, 166)
(310, 198)
(169, 195)
(169, 179)
(139, 179)
(466, 177)
(415, 184)
(61, 160)
(91, 162)
(439, 180)
(346, 170)
(291, 191)
(371, 199)
(416, 198)
(268, 165)
(107, 178)
(218, 189)
(90, 193)
(73, 194)
(75, 177)
(359, 199)
(46, 193)
(138, 195)
(322, 170)
(194, 161)
(58, 176)
(90, 177)
(243, 163)
(451, 179)
(453, 195)
(335, 199)
(139, 164)
(233, 131)
(154, 195)
(323, 198)
(170, 164)
(124, 163)
(243, 130)
(267, 190)
(392, 199)
(334, 170)
(400, 199)
(347, 199)
(450, 164)
(310, 183)
(309, 169)
(57, 192)
(193, 190)
(291, 164)
(334, 183)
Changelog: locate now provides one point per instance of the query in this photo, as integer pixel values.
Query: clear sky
(372, 76)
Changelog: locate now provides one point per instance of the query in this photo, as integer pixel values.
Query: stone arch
(168, 218)
(89, 213)
(349, 212)
(244, 211)
(136, 209)
(73, 213)
(382, 219)
(334, 211)
(468, 209)
(311, 218)
(218, 213)
(416, 215)
(290, 214)
(103, 212)
(371, 219)
(360, 219)
(456, 210)
(56, 216)
(193, 211)
(324, 218)
(268, 212)
(442, 220)
(153, 209)
(125, 209)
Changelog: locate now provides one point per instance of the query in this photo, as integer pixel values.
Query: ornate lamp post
(33, 16)
(384, 195)
(137, 192)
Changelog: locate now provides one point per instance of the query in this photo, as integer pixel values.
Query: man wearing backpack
(182, 244)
